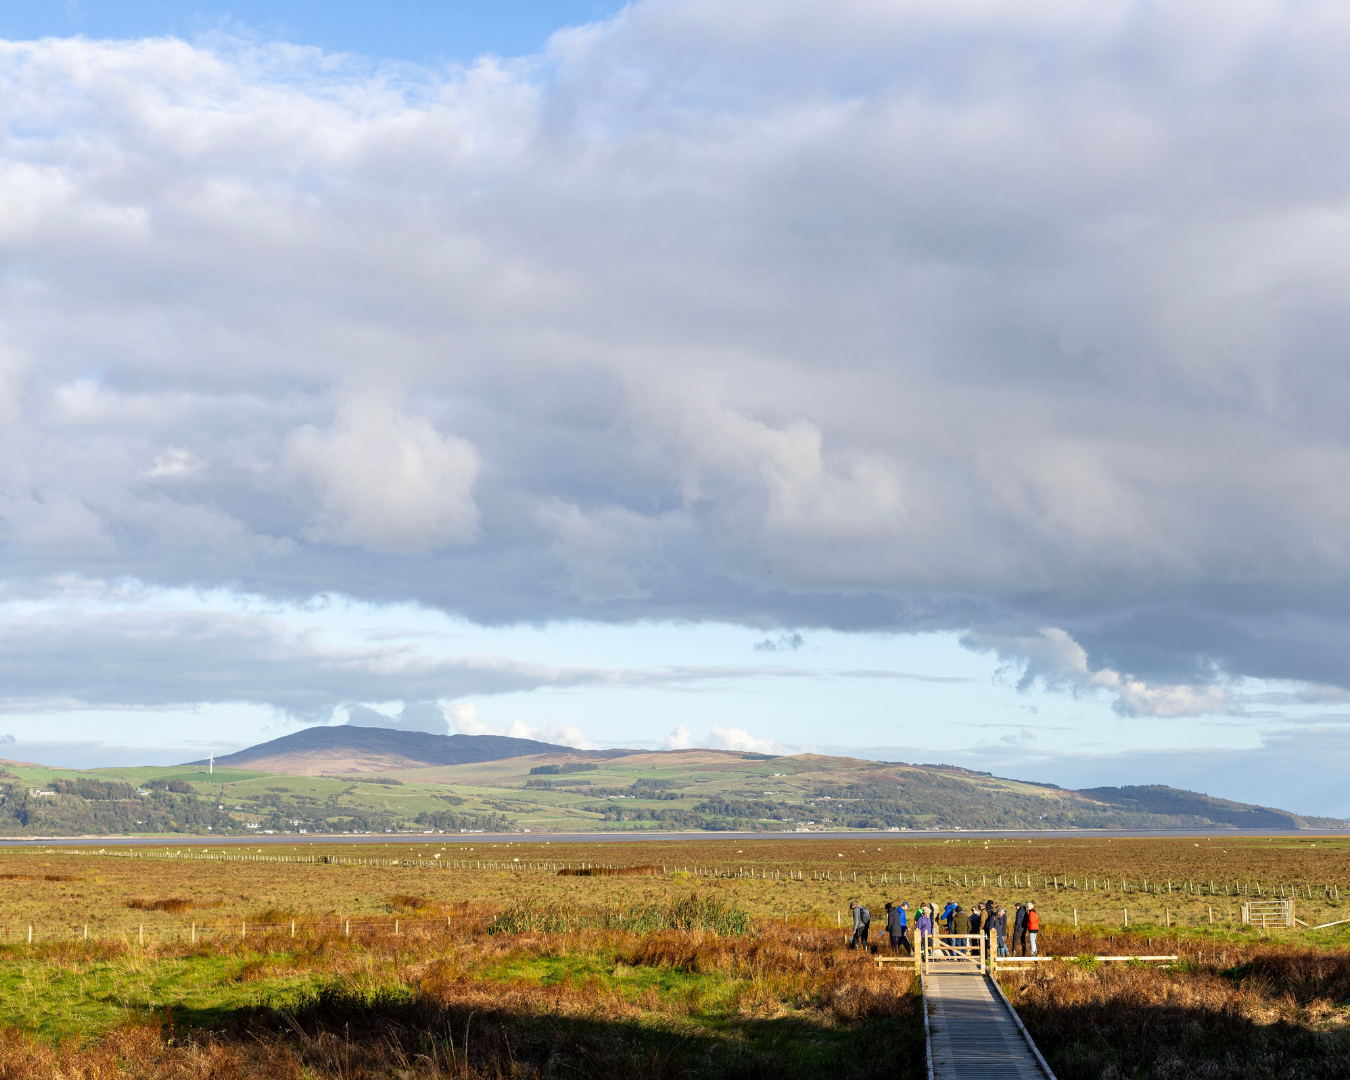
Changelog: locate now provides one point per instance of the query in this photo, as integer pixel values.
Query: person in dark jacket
(1000, 926)
(862, 921)
(956, 924)
(976, 925)
(1020, 929)
(897, 928)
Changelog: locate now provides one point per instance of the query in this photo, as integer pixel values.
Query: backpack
(865, 916)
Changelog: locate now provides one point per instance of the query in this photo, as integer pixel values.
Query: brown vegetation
(417, 905)
(168, 903)
(1229, 1010)
(798, 1007)
(646, 870)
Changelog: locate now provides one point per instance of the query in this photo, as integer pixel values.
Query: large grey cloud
(902, 316)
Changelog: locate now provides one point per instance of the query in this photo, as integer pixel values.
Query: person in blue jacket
(948, 913)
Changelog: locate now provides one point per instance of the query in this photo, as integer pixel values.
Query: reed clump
(1277, 1012)
(693, 912)
(169, 903)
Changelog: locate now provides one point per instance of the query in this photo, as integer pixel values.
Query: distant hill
(1182, 805)
(319, 750)
(352, 779)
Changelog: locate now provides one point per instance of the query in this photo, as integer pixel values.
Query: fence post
(292, 928)
(1075, 918)
(194, 933)
(30, 933)
(1127, 916)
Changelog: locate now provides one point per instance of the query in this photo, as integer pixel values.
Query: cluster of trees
(181, 787)
(96, 806)
(452, 822)
(93, 789)
(568, 767)
(706, 816)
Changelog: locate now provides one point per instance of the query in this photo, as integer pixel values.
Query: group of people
(985, 918)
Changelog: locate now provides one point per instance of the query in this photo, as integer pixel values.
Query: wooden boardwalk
(974, 1033)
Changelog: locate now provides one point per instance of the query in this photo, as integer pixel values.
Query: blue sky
(454, 31)
(768, 375)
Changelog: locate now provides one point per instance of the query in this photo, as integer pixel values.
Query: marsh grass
(172, 904)
(693, 912)
(593, 1003)
(608, 975)
(1275, 1016)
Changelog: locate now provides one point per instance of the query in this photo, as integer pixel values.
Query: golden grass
(171, 904)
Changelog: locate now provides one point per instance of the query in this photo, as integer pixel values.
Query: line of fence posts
(398, 927)
(1262, 913)
(1053, 882)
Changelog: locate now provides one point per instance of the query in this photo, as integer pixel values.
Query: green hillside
(669, 791)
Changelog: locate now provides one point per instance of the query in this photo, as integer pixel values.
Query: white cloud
(414, 716)
(464, 719)
(173, 463)
(559, 734)
(679, 739)
(722, 738)
(734, 738)
(1052, 657)
(388, 481)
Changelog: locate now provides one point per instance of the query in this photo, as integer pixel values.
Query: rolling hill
(319, 750)
(378, 780)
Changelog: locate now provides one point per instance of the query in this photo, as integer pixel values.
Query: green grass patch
(56, 1000)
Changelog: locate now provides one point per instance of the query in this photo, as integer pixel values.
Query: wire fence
(364, 928)
(1045, 882)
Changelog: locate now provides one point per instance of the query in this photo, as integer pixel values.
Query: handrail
(1000, 960)
(1040, 1058)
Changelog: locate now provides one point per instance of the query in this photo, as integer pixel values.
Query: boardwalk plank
(971, 1033)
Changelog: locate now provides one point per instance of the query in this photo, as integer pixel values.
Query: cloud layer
(1024, 320)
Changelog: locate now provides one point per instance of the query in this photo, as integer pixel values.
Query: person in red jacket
(1033, 926)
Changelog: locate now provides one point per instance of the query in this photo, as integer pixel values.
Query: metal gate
(1265, 913)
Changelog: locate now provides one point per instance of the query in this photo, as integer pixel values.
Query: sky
(932, 382)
